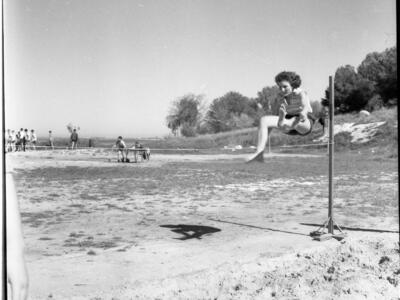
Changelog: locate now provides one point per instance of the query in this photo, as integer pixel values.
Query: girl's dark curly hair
(291, 77)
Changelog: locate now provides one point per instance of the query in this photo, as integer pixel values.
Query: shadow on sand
(191, 231)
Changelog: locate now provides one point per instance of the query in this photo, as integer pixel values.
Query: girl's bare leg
(267, 123)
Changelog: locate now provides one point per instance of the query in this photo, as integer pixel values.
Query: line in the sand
(257, 227)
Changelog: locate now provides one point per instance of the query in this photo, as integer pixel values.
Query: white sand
(252, 257)
(360, 133)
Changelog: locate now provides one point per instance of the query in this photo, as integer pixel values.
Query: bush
(241, 121)
(375, 103)
(187, 130)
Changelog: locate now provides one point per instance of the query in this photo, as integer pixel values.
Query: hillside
(352, 132)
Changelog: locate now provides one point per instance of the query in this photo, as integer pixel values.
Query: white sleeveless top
(294, 105)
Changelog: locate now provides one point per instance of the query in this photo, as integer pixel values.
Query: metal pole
(331, 152)
(327, 126)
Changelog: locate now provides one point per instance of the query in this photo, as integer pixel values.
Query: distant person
(17, 141)
(17, 275)
(26, 140)
(9, 147)
(33, 139)
(20, 138)
(121, 150)
(51, 139)
(144, 154)
(13, 139)
(74, 139)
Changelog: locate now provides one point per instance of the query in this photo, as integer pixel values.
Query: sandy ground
(203, 227)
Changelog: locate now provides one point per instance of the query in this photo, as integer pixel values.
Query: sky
(115, 67)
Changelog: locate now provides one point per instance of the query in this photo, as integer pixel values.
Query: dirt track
(97, 229)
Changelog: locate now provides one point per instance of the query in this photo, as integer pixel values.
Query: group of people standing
(20, 140)
(23, 139)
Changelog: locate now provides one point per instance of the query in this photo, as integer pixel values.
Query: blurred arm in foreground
(17, 275)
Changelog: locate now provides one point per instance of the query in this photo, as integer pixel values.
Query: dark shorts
(312, 119)
(290, 116)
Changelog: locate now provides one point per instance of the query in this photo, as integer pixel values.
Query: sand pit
(204, 227)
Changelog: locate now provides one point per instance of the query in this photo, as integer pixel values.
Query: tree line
(371, 86)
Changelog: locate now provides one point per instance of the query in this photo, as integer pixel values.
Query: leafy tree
(240, 121)
(373, 84)
(352, 91)
(173, 123)
(374, 103)
(345, 84)
(185, 114)
(231, 111)
(188, 130)
(381, 68)
(268, 98)
(359, 98)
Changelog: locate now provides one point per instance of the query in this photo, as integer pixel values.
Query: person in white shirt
(122, 150)
(19, 142)
(33, 139)
(51, 140)
(13, 140)
(9, 141)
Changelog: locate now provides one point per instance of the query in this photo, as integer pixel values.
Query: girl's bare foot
(282, 114)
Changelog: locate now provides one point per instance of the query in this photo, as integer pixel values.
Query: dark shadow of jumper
(191, 231)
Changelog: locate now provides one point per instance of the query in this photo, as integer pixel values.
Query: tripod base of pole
(326, 231)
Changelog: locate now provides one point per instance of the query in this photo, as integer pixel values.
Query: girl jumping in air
(295, 113)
